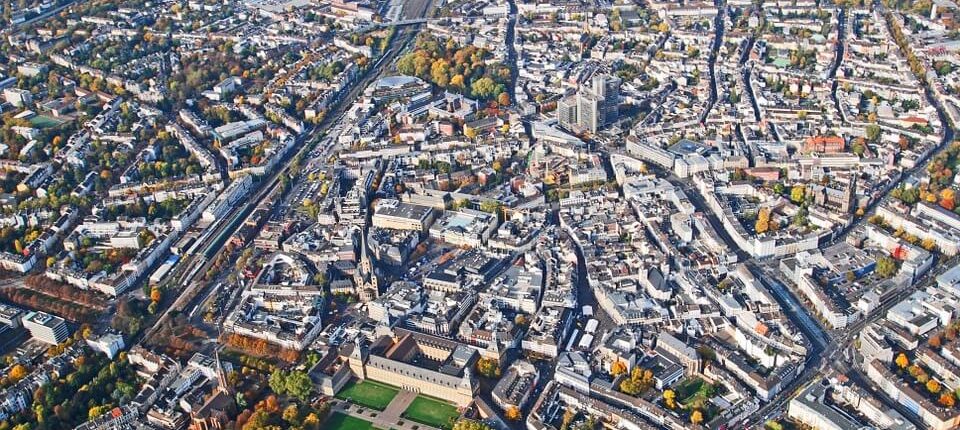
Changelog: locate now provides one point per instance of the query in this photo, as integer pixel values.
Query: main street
(718, 26)
(512, 51)
(838, 61)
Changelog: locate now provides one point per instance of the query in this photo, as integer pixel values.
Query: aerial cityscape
(479, 214)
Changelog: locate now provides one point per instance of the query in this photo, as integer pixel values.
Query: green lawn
(368, 393)
(339, 421)
(688, 388)
(431, 412)
(695, 393)
(43, 121)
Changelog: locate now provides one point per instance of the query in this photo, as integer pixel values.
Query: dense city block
(479, 214)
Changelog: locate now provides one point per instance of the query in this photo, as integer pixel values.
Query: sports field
(43, 121)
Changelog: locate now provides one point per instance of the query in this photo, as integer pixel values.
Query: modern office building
(593, 107)
(46, 328)
(607, 88)
(589, 111)
(567, 112)
(397, 215)
(10, 315)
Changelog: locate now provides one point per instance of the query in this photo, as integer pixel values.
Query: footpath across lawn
(368, 394)
(431, 412)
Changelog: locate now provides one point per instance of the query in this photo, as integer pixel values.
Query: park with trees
(455, 68)
(105, 383)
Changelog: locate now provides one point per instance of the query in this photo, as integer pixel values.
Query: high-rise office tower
(593, 107)
(590, 114)
(607, 88)
(567, 112)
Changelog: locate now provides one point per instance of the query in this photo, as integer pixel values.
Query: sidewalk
(396, 407)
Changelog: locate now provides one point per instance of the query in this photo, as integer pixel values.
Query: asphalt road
(841, 48)
(718, 27)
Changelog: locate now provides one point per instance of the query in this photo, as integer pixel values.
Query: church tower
(850, 195)
(365, 277)
(222, 383)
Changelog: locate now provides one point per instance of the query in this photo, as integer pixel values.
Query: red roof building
(823, 144)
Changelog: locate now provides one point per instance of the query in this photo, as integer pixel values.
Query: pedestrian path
(388, 419)
(396, 407)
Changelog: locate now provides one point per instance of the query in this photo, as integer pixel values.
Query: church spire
(364, 256)
(222, 383)
(365, 276)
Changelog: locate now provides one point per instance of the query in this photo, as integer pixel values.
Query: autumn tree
(617, 368)
(311, 421)
(947, 199)
(772, 425)
(797, 193)
(96, 411)
(763, 221)
(947, 399)
(647, 377)
(484, 88)
(696, 417)
(17, 372)
(669, 398)
(914, 370)
(440, 72)
(488, 367)
(513, 413)
(635, 384)
(467, 424)
(859, 146)
(271, 404)
(568, 416)
(521, 319)
(886, 267)
(902, 361)
(933, 386)
(291, 414)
